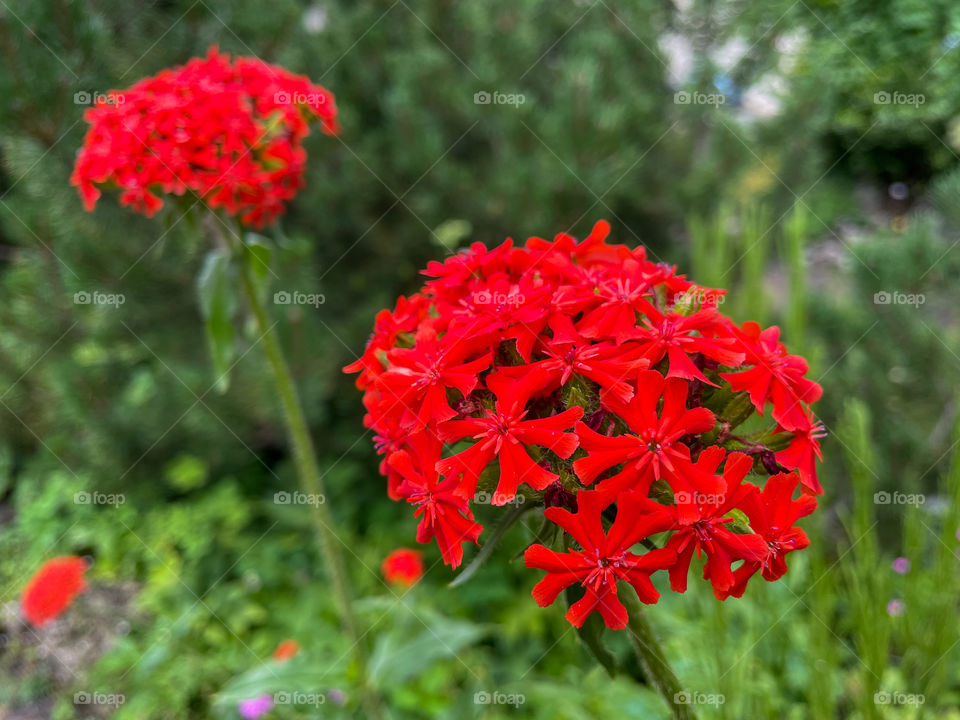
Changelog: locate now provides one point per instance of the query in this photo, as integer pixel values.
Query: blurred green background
(802, 154)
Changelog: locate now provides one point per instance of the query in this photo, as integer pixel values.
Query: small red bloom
(418, 377)
(804, 451)
(443, 515)
(677, 336)
(53, 588)
(708, 531)
(772, 514)
(604, 558)
(653, 450)
(775, 376)
(403, 567)
(503, 433)
(286, 650)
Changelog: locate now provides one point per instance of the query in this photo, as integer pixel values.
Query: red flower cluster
(53, 588)
(229, 132)
(548, 369)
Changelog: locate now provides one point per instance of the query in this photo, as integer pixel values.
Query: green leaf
(257, 253)
(398, 657)
(216, 288)
(506, 522)
(591, 635)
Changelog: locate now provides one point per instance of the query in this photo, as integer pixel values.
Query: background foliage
(198, 574)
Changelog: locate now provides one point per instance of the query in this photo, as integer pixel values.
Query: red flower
(403, 567)
(776, 376)
(604, 558)
(708, 531)
(804, 451)
(504, 434)
(621, 298)
(418, 377)
(653, 451)
(772, 514)
(53, 588)
(286, 650)
(231, 132)
(443, 515)
(677, 336)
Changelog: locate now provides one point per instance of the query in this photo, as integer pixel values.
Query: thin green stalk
(653, 660)
(308, 470)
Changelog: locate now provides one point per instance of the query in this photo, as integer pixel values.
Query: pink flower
(901, 565)
(255, 707)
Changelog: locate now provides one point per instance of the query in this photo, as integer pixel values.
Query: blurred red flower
(403, 567)
(286, 650)
(53, 588)
(227, 131)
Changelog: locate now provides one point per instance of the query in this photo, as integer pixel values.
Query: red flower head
(403, 567)
(229, 131)
(528, 374)
(53, 588)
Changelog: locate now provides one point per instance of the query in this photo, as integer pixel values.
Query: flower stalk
(308, 470)
(657, 671)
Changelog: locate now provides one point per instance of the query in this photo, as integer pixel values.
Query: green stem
(311, 479)
(653, 661)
